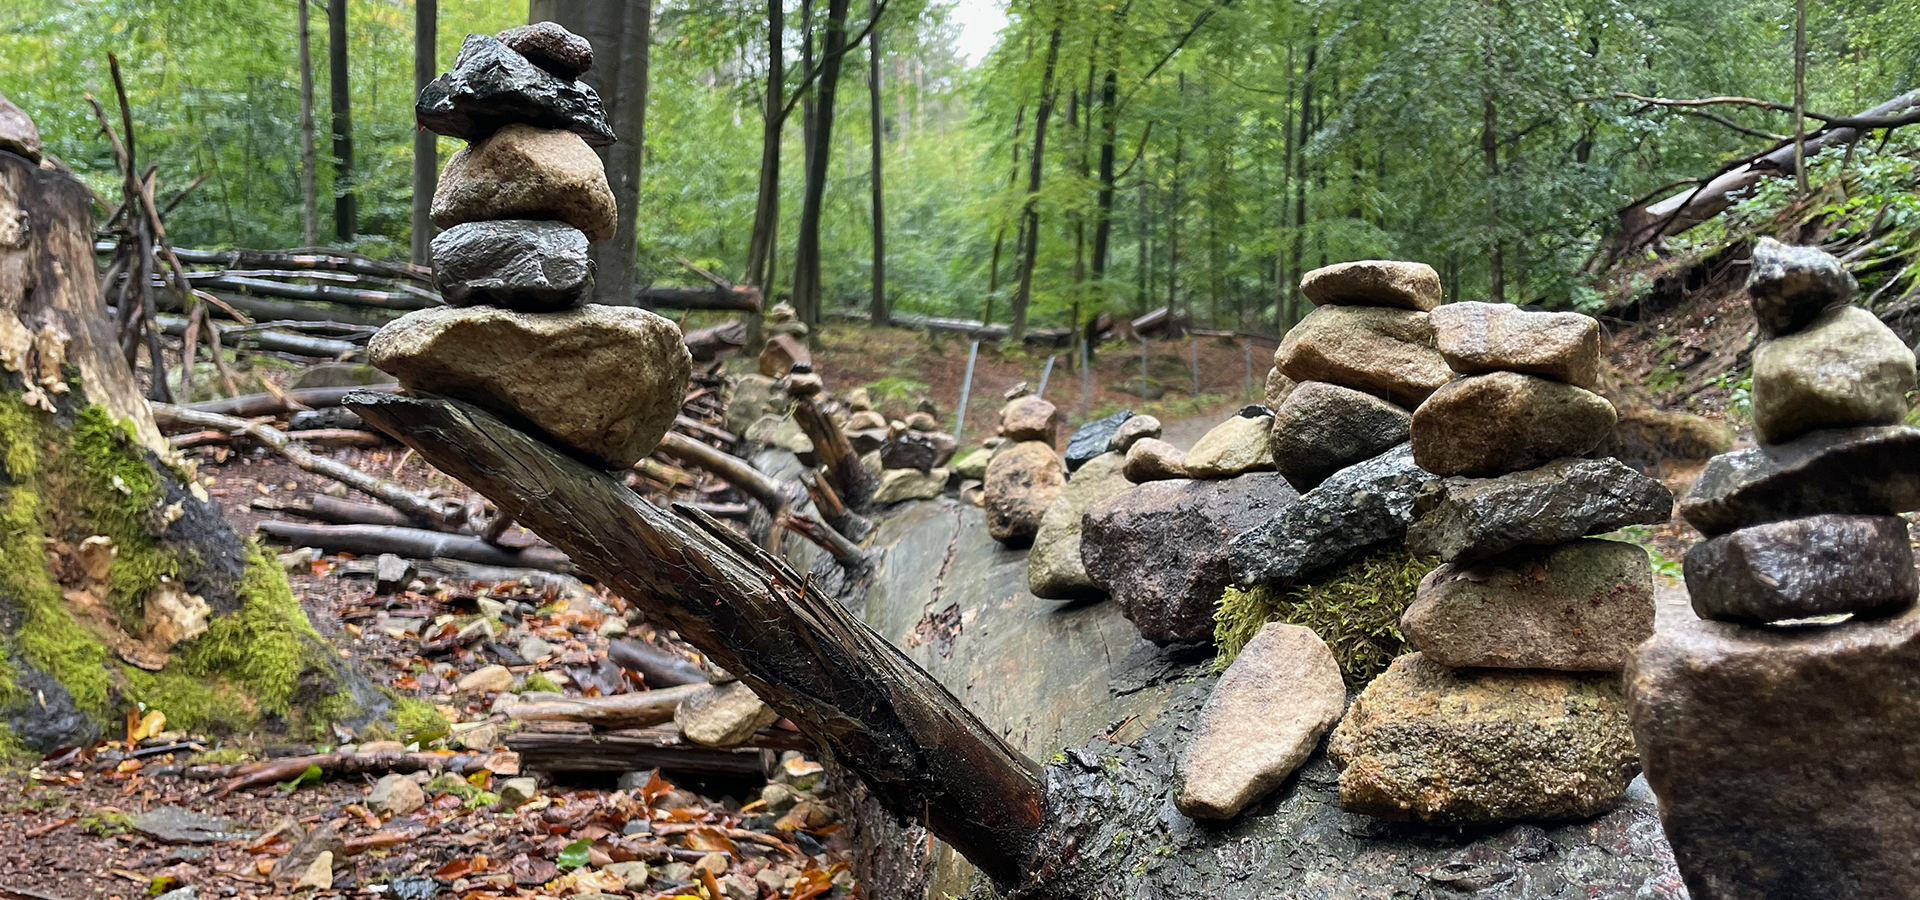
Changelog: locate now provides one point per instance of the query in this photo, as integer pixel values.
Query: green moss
(50, 638)
(418, 720)
(1356, 610)
(538, 681)
(113, 492)
(11, 750)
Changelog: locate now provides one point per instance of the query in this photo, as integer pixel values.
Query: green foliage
(538, 681)
(574, 855)
(1356, 610)
(418, 721)
(312, 775)
(893, 388)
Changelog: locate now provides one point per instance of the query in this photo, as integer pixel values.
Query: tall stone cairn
(1778, 732)
(1512, 708)
(519, 204)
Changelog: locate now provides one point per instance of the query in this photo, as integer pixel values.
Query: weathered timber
(318, 260)
(921, 752)
(706, 344)
(728, 468)
(295, 310)
(340, 764)
(290, 446)
(338, 511)
(638, 749)
(635, 710)
(743, 299)
(249, 405)
(414, 543)
(851, 480)
(659, 668)
(265, 339)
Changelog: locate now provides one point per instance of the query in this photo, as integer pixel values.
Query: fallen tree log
(414, 543)
(241, 776)
(338, 511)
(635, 710)
(290, 446)
(268, 308)
(659, 668)
(743, 299)
(859, 698)
(315, 259)
(326, 437)
(706, 344)
(248, 406)
(638, 749)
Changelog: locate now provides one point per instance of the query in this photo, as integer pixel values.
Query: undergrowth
(1356, 610)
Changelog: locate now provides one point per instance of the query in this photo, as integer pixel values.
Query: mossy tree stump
(121, 583)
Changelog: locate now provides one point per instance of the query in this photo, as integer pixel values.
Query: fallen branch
(242, 776)
(742, 299)
(636, 749)
(836, 544)
(414, 543)
(248, 406)
(660, 668)
(337, 511)
(728, 468)
(635, 710)
(328, 437)
(291, 447)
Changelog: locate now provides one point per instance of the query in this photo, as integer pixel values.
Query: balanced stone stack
(1350, 372)
(519, 204)
(1096, 459)
(1026, 474)
(1512, 708)
(1779, 732)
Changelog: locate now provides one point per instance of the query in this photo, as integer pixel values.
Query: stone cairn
(1779, 732)
(1025, 474)
(519, 204)
(1512, 708)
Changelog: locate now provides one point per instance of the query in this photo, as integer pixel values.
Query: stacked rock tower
(519, 204)
(1779, 732)
(1351, 371)
(1512, 707)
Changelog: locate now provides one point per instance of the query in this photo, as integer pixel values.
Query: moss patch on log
(76, 474)
(1356, 610)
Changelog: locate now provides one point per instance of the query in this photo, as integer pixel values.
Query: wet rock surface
(1383, 351)
(1868, 471)
(521, 264)
(1161, 549)
(1846, 369)
(521, 172)
(1055, 570)
(900, 485)
(1322, 428)
(1092, 439)
(1023, 479)
(1579, 606)
(1361, 506)
(551, 47)
(532, 366)
(1800, 568)
(1428, 743)
(1462, 518)
(1788, 286)
(1374, 282)
(1134, 429)
(1503, 422)
(1234, 447)
(1785, 757)
(1265, 716)
(491, 86)
(1476, 338)
(1152, 459)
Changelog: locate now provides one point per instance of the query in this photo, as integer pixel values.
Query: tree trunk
(309, 204)
(879, 305)
(1300, 167)
(806, 263)
(766, 207)
(1496, 252)
(1030, 214)
(1103, 203)
(620, 33)
(426, 153)
(1000, 234)
(849, 690)
(345, 210)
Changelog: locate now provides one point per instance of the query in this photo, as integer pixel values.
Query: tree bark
(310, 206)
(1103, 203)
(634, 710)
(345, 209)
(876, 136)
(1030, 212)
(426, 155)
(860, 699)
(766, 207)
(620, 33)
(806, 263)
(744, 299)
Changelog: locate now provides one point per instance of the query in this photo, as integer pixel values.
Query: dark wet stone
(47, 719)
(1473, 518)
(491, 86)
(1359, 507)
(175, 825)
(1161, 548)
(531, 266)
(1784, 757)
(325, 417)
(911, 450)
(1865, 471)
(551, 47)
(1800, 568)
(1789, 286)
(1090, 440)
(1322, 428)
(1254, 411)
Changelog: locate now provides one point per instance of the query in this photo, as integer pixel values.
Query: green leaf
(575, 854)
(311, 776)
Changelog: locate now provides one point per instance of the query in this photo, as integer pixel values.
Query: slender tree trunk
(806, 102)
(426, 155)
(1496, 254)
(620, 33)
(345, 213)
(1300, 165)
(879, 308)
(1103, 202)
(1142, 261)
(806, 264)
(1000, 234)
(1017, 329)
(1173, 226)
(310, 205)
(1800, 96)
(766, 208)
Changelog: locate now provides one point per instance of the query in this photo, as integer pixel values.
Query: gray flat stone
(491, 86)
(533, 266)
(1865, 471)
(1801, 568)
(1462, 518)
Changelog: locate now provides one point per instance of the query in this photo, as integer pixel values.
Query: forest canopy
(1227, 146)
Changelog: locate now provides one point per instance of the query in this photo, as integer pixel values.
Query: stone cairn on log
(1512, 708)
(1025, 474)
(519, 204)
(1779, 731)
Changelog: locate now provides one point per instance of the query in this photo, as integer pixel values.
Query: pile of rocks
(909, 455)
(520, 203)
(1025, 474)
(1351, 371)
(1096, 459)
(1512, 709)
(1778, 733)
